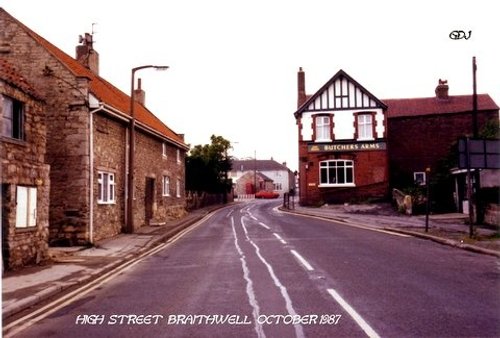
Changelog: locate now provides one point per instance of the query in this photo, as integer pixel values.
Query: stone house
(24, 171)
(280, 176)
(88, 142)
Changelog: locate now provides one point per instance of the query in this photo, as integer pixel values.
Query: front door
(149, 199)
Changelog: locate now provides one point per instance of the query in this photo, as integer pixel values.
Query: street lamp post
(129, 228)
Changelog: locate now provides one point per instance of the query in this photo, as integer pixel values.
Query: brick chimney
(442, 90)
(86, 54)
(139, 94)
(301, 87)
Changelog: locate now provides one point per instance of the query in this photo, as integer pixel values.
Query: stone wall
(23, 164)
(67, 119)
(110, 147)
(151, 163)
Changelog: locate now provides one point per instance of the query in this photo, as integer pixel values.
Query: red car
(267, 194)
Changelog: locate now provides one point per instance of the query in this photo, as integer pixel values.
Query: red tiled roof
(433, 106)
(9, 74)
(106, 92)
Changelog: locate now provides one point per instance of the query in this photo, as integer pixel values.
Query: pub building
(342, 131)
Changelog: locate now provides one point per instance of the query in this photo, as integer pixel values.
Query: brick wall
(370, 177)
(418, 142)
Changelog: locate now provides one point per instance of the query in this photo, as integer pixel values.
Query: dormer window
(323, 128)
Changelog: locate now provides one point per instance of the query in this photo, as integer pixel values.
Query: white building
(282, 178)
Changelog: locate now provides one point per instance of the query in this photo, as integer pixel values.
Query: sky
(233, 64)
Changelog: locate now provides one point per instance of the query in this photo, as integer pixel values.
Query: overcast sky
(233, 64)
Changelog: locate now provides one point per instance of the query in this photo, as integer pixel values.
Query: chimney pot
(442, 90)
(139, 94)
(301, 87)
(86, 54)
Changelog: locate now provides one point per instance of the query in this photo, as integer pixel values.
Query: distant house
(279, 175)
(88, 123)
(25, 172)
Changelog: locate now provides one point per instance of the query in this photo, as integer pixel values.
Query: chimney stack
(139, 94)
(301, 87)
(86, 54)
(442, 90)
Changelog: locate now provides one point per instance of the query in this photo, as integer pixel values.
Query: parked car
(267, 194)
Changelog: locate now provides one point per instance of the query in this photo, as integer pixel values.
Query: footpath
(75, 266)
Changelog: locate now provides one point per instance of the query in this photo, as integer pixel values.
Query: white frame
(348, 164)
(106, 188)
(166, 186)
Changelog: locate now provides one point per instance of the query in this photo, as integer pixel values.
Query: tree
(207, 166)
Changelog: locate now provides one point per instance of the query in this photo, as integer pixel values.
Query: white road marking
(265, 226)
(299, 331)
(357, 318)
(249, 289)
(279, 237)
(302, 260)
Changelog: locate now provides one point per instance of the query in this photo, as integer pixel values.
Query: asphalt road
(252, 271)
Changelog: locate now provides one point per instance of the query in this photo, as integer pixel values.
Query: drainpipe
(91, 175)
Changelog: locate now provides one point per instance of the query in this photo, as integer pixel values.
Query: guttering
(91, 169)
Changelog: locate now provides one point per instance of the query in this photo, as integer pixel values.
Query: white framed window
(338, 173)
(166, 186)
(178, 156)
(323, 130)
(164, 150)
(365, 127)
(106, 188)
(12, 118)
(178, 188)
(25, 207)
(419, 178)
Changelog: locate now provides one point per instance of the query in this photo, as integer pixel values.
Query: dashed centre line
(279, 238)
(302, 260)
(264, 225)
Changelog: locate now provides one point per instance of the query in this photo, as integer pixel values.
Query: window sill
(106, 203)
(345, 185)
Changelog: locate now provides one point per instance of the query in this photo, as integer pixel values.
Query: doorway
(149, 198)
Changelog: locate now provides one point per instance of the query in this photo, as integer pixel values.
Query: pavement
(73, 266)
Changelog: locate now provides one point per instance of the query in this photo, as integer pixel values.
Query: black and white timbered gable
(341, 110)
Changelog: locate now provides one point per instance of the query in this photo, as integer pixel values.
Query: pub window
(336, 173)
(12, 118)
(178, 188)
(365, 126)
(419, 178)
(323, 130)
(25, 207)
(106, 188)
